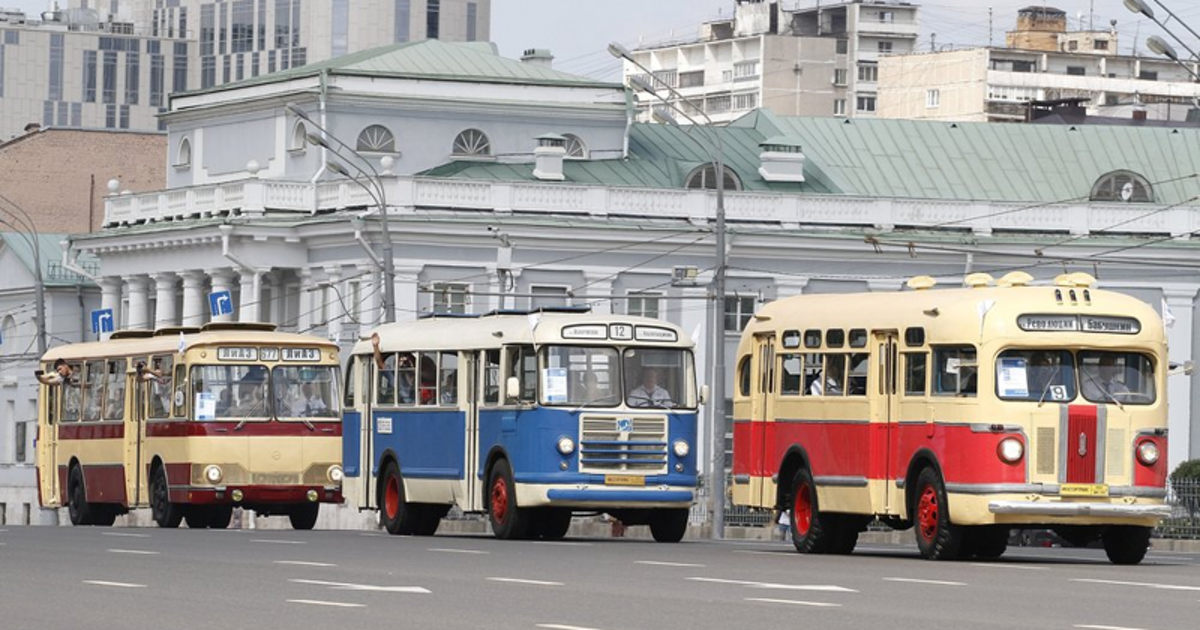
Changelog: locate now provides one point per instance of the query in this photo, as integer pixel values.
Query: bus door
(47, 443)
(762, 419)
(885, 417)
(361, 375)
(471, 383)
(137, 394)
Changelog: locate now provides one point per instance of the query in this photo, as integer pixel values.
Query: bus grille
(641, 448)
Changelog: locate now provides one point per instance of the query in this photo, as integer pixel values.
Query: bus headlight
(1010, 450)
(681, 448)
(213, 474)
(335, 473)
(566, 445)
(1147, 453)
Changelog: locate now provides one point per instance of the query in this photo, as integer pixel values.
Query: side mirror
(704, 394)
(512, 388)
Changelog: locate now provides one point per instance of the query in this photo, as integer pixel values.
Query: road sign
(102, 321)
(220, 303)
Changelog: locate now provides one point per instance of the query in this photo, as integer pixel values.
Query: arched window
(376, 139)
(576, 149)
(472, 143)
(299, 137)
(184, 159)
(8, 331)
(706, 177)
(1123, 186)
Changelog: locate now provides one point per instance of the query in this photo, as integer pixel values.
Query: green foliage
(1189, 470)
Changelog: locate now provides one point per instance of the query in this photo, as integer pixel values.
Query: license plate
(624, 480)
(1083, 490)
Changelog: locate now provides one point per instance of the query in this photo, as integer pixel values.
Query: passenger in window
(450, 389)
(1104, 386)
(387, 372)
(428, 381)
(1042, 374)
(649, 394)
(835, 376)
(64, 374)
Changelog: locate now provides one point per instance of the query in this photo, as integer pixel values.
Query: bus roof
(226, 334)
(954, 315)
(501, 328)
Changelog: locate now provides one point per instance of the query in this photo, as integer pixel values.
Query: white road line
(116, 584)
(2, 544)
(1165, 587)
(372, 535)
(317, 602)
(1106, 627)
(1176, 558)
(825, 588)
(305, 563)
(917, 581)
(562, 543)
(658, 563)
(347, 586)
(782, 553)
(794, 602)
(279, 542)
(993, 565)
(556, 626)
(124, 535)
(521, 581)
(472, 551)
(135, 552)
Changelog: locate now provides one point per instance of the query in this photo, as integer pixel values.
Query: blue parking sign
(102, 321)
(220, 303)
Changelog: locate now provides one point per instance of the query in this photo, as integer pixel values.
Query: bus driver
(649, 394)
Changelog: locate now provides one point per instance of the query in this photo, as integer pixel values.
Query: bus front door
(885, 416)
(762, 418)
(47, 444)
(472, 372)
(138, 393)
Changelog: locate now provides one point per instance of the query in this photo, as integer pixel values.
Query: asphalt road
(97, 578)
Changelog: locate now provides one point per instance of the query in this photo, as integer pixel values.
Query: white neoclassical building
(508, 184)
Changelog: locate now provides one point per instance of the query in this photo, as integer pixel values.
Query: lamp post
(717, 410)
(1159, 46)
(378, 194)
(33, 239)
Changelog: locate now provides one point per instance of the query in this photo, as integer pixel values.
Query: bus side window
(180, 388)
(956, 371)
(385, 381)
(744, 376)
(114, 395)
(491, 377)
(161, 368)
(448, 378)
(72, 393)
(522, 363)
(93, 390)
(857, 377)
(791, 374)
(812, 374)
(351, 383)
(834, 381)
(914, 373)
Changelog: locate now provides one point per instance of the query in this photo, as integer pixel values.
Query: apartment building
(811, 59)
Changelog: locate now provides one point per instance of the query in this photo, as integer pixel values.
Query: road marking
(555, 626)
(1176, 558)
(474, 551)
(782, 553)
(1106, 627)
(1165, 587)
(372, 535)
(305, 563)
(346, 586)
(794, 602)
(116, 584)
(562, 543)
(917, 581)
(993, 565)
(317, 602)
(825, 588)
(657, 563)
(521, 581)
(124, 535)
(136, 552)
(279, 542)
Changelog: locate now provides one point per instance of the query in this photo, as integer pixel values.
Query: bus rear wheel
(509, 521)
(80, 511)
(304, 515)
(669, 525)
(810, 528)
(399, 517)
(1126, 544)
(164, 513)
(937, 537)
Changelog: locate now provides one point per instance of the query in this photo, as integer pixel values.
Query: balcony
(255, 197)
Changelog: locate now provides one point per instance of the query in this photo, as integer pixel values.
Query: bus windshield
(1122, 377)
(1037, 375)
(657, 377)
(581, 376)
(230, 392)
(305, 392)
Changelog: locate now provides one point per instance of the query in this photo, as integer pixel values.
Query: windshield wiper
(1109, 397)
(1049, 384)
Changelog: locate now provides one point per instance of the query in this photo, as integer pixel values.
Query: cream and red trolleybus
(962, 413)
(191, 422)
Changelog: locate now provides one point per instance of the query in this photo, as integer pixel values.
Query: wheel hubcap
(499, 500)
(392, 497)
(927, 513)
(802, 509)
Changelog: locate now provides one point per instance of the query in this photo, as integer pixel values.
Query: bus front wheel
(399, 517)
(669, 525)
(165, 513)
(811, 530)
(304, 515)
(1126, 544)
(81, 512)
(937, 537)
(509, 521)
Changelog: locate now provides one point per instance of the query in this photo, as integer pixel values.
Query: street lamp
(33, 239)
(378, 194)
(717, 410)
(1142, 8)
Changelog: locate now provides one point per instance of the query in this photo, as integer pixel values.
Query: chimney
(782, 160)
(540, 57)
(548, 157)
(1139, 112)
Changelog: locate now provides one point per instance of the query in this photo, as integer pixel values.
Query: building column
(139, 302)
(193, 298)
(407, 298)
(1181, 340)
(371, 292)
(110, 298)
(251, 291)
(164, 306)
(222, 280)
(598, 293)
(334, 295)
(789, 286)
(306, 315)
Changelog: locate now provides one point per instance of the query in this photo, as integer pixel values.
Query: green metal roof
(51, 253)
(429, 59)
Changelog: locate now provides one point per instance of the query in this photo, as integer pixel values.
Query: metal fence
(1184, 497)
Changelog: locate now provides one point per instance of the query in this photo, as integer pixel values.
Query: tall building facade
(810, 59)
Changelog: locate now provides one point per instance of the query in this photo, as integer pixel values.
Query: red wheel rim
(927, 513)
(499, 500)
(802, 509)
(391, 497)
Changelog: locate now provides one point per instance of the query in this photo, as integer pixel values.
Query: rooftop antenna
(990, 27)
(1091, 15)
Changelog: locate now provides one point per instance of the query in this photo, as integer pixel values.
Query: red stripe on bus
(98, 431)
(1081, 444)
(217, 429)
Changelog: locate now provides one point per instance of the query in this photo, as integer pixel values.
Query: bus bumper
(1063, 509)
(257, 495)
(602, 497)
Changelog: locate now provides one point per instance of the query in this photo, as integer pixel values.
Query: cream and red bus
(191, 422)
(960, 412)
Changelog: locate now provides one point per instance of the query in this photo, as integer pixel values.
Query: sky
(578, 32)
